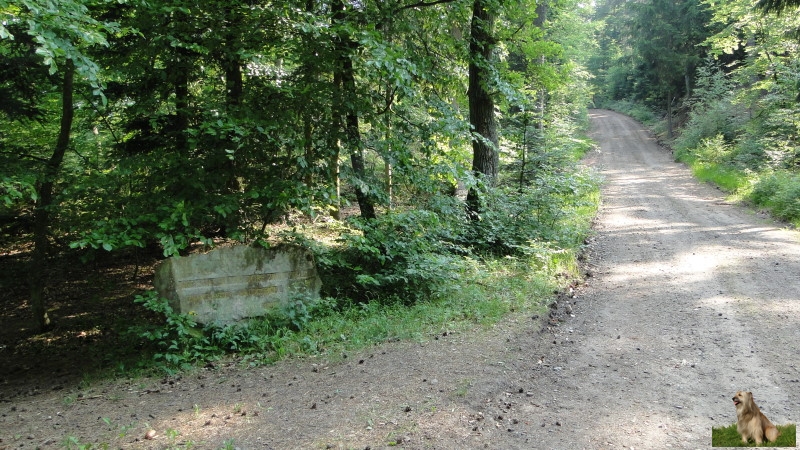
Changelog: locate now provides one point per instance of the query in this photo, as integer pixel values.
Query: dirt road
(693, 299)
(690, 300)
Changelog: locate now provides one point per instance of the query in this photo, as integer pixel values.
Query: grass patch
(729, 437)
(779, 192)
(710, 162)
(727, 178)
(638, 111)
(485, 293)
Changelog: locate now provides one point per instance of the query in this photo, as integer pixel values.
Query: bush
(402, 255)
(749, 155)
(179, 342)
(512, 221)
(715, 120)
(713, 112)
(780, 192)
(638, 111)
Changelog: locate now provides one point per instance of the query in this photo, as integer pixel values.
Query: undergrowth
(636, 110)
(415, 271)
(408, 275)
(754, 157)
(480, 293)
(729, 437)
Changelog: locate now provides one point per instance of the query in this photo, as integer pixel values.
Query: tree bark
(41, 216)
(352, 135)
(180, 81)
(669, 116)
(485, 157)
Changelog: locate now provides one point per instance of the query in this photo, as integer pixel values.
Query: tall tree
(345, 84)
(777, 6)
(485, 156)
(63, 33)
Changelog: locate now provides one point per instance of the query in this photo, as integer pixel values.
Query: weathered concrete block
(234, 283)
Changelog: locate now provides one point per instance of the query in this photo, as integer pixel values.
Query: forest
(420, 149)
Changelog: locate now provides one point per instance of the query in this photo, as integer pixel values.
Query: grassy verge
(729, 437)
(484, 293)
(777, 191)
(479, 293)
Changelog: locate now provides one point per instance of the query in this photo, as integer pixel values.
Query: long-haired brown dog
(752, 422)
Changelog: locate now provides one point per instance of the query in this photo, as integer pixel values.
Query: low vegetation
(729, 437)
(410, 274)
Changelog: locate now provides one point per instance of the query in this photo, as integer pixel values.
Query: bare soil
(688, 299)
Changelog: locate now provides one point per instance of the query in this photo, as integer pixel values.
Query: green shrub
(713, 112)
(179, 342)
(716, 120)
(402, 255)
(513, 220)
(780, 193)
(636, 110)
(749, 154)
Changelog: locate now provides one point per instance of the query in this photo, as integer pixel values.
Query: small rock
(151, 434)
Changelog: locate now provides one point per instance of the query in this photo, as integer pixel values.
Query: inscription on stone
(234, 283)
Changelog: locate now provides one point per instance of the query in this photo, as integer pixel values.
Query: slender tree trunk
(336, 145)
(352, 135)
(669, 116)
(387, 168)
(542, 9)
(335, 175)
(41, 216)
(524, 151)
(308, 118)
(181, 86)
(234, 81)
(485, 157)
(234, 92)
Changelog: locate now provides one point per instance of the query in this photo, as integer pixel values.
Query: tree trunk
(181, 85)
(41, 216)
(485, 157)
(336, 145)
(352, 135)
(523, 151)
(669, 116)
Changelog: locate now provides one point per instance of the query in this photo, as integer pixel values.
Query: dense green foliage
(178, 125)
(736, 106)
(212, 120)
(452, 125)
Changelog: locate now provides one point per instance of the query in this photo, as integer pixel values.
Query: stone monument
(229, 284)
